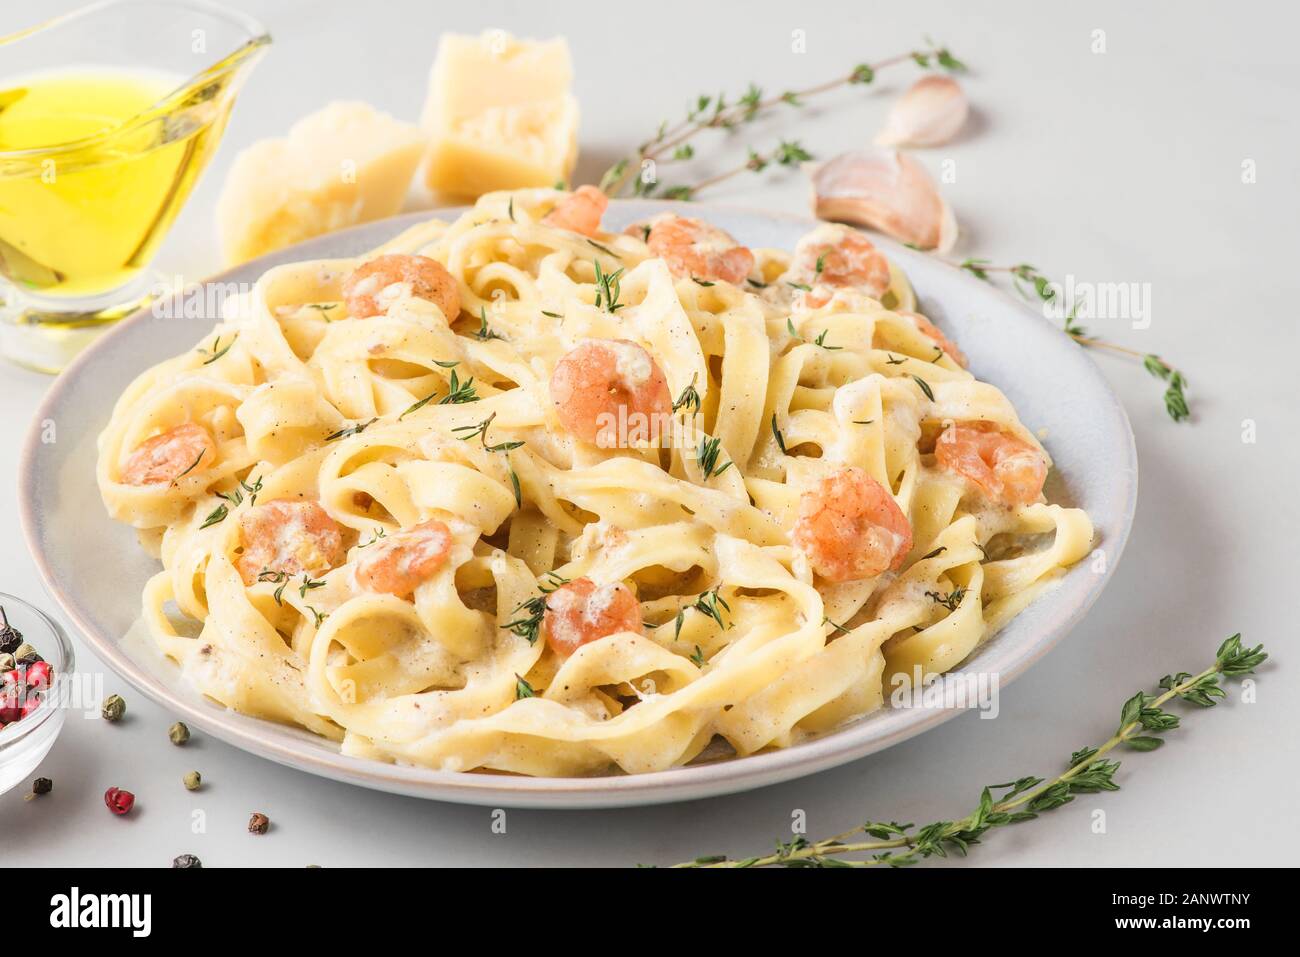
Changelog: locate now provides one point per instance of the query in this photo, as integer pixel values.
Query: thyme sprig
(706, 455)
(1030, 282)
(529, 624)
(689, 398)
(608, 289)
(671, 142)
(1087, 772)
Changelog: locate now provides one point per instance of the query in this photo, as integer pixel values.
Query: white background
(1122, 166)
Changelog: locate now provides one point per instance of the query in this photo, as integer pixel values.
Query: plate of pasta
(544, 502)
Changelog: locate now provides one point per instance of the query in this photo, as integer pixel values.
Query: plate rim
(691, 782)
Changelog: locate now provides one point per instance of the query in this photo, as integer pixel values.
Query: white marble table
(1123, 166)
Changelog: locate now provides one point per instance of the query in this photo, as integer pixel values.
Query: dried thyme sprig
(1087, 772)
(1032, 284)
(671, 141)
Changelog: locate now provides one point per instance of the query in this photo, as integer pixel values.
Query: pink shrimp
(610, 392)
(834, 257)
(395, 565)
(581, 612)
(579, 212)
(169, 455)
(1006, 468)
(694, 249)
(366, 290)
(288, 537)
(933, 332)
(851, 528)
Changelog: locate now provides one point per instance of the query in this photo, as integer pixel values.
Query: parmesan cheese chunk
(499, 115)
(342, 165)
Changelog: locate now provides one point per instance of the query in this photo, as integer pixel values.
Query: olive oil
(91, 177)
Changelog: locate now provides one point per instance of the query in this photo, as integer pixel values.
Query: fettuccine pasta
(515, 494)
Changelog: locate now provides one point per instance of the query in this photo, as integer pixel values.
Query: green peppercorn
(258, 823)
(187, 860)
(7, 663)
(193, 780)
(179, 733)
(26, 653)
(113, 709)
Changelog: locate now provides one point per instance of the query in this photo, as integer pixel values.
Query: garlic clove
(929, 114)
(887, 191)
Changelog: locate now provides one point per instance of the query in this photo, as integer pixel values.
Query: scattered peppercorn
(193, 780)
(40, 786)
(187, 860)
(114, 707)
(258, 823)
(119, 801)
(26, 652)
(179, 733)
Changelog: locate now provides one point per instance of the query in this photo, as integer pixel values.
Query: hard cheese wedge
(345, 164)
(499, 114)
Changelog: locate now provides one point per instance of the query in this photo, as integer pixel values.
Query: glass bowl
(24, 743)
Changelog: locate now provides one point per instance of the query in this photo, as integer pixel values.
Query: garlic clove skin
(887, 191)
(929, 114)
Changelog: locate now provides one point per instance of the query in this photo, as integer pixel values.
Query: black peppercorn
(10, 637)
(187, 860)
(42, 786)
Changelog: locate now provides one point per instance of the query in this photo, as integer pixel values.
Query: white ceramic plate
(95, 570)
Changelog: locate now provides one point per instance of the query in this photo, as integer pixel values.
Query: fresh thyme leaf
(689, 399)
(356, 429)
(484, 332)
(416, 407)
(698, 657)
(713, 605)
(552, 315)
(893, 360)
(938, 551)
(706, 454)
(378, 534)
(925, 386)
(702, 282)
(951, 600)
(510, 209)
(863, 421)
(756, 284)
(821, 341)
(319, 617)
(605, 249)
(217, 515)
(838, 628)
(523, 689)
(459, 392)
(308, 583)
(218, 353)
(190, 468)
(801, 286)
(776, 433)
(608, 289)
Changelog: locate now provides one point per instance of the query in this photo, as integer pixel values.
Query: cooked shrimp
(610, 392)
(288, 537)
(395, 565)
(1006, 468)
(694, 249)
(170, 455)
(375, 285)
(933, 332)
(581, 612)
(851, 528)
(835, 257)
(580, 211)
